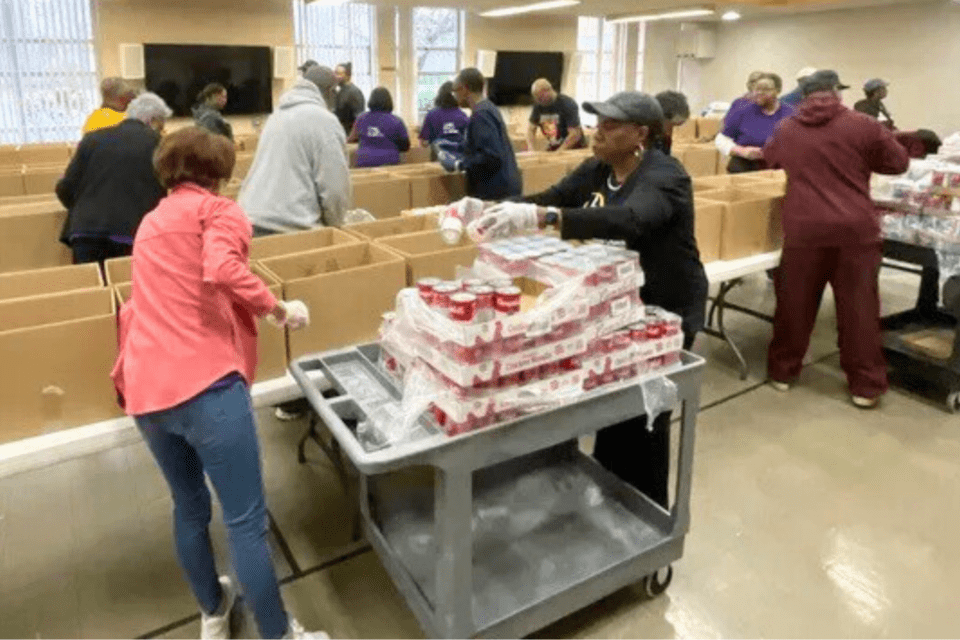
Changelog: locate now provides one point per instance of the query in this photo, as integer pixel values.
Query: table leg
(719, 304)
(453, 517)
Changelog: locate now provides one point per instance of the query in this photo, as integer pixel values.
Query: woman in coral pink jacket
(187, 358)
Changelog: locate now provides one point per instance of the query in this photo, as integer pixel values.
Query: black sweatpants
(639, 457)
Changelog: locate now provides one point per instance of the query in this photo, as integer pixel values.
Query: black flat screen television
(178, 72)
(515, 71)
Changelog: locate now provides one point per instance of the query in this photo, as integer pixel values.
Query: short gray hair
(148, 107)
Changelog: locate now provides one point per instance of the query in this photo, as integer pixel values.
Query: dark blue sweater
(488, 157)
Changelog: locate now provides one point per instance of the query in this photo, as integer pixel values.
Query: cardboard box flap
(54, 308)
(281, 244)
(415, 244)
(23, 284)
(309, 264)
(118, 270)
(393, 227)
(123, 290)
(735, 195)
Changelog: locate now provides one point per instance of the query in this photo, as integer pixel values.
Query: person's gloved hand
(503, 220)
(297, 315)
(448, 161)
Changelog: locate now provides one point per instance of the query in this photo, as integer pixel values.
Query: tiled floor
(810, 519)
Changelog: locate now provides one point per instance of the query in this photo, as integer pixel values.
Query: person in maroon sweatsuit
(831, 234)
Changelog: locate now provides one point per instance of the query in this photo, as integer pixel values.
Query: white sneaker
(214, 627)
(297, 632)
(286, 416)
(782, 387)
(865, 403)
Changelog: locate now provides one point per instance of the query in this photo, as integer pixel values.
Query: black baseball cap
(823, 80)
(627, 106)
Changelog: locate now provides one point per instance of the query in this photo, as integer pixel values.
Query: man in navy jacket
(488, 157)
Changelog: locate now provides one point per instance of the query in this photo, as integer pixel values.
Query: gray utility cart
(504, 530)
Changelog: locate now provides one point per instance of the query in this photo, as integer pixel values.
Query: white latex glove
(503, 220)
(457, 216)
(298, 315)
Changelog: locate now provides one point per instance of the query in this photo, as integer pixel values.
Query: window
(437, 38)
(603, 59)
(331, 34)
(48, 74)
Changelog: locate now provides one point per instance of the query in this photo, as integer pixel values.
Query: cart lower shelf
(542, 526)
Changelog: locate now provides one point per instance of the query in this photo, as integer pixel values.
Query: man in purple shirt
(753, 124)
(382, 135)
(446, 124)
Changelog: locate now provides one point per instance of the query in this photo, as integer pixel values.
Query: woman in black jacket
(632, 192)
(110, 185)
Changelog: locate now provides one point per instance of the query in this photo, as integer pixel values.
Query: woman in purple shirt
(446, 123)
(382, 135)
(753, 124)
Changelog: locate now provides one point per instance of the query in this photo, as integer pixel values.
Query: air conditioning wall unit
(696, 41)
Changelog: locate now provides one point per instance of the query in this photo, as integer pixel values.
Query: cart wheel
(953, 402)
(654, 585)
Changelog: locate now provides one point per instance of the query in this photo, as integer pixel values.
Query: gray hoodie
(299, 178)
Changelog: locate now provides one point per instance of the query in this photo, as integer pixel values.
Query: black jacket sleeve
(68, 187)
(481, 152)
(646, 209)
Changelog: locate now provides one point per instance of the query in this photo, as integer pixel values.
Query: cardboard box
(25, 199)
(708, 128)
(385, 196)
(728, 181)
(43, 180)
(347, 288)
(11, 182)
(708, 228)
(751, 222)
(427, 255)
(33, 154)
(540, 177)
(282, 244)
(430, 185)
(247, 143)
(59, 350)
(242, 166)
(416, 154)
(700, 160)
(24, 284)
(118, 270)
(271, 341)
(10, 156)
(40, 206)
(368, 231)
(686, 131)
(32, 241)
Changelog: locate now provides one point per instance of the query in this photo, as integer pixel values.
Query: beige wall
(660, 56)
(916, 47)
(267, 22)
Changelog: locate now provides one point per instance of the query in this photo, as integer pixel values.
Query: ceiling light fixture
(527, 8)
(730, 16)
(699, 12)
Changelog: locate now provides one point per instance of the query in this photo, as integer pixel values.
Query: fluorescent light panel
(730, 16)
(527, 8)
(664, 15)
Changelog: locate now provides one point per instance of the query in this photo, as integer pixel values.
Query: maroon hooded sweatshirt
(829, 152)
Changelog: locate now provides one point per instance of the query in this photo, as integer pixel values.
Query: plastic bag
(356, 216)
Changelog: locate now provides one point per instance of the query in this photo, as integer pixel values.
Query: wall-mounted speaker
(131, 61)
(284, 63)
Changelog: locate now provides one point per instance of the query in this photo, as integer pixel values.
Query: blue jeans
(215, 433)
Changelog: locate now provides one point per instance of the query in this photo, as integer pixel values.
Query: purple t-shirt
(382, 136)
(749, 126)
(444, 124)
